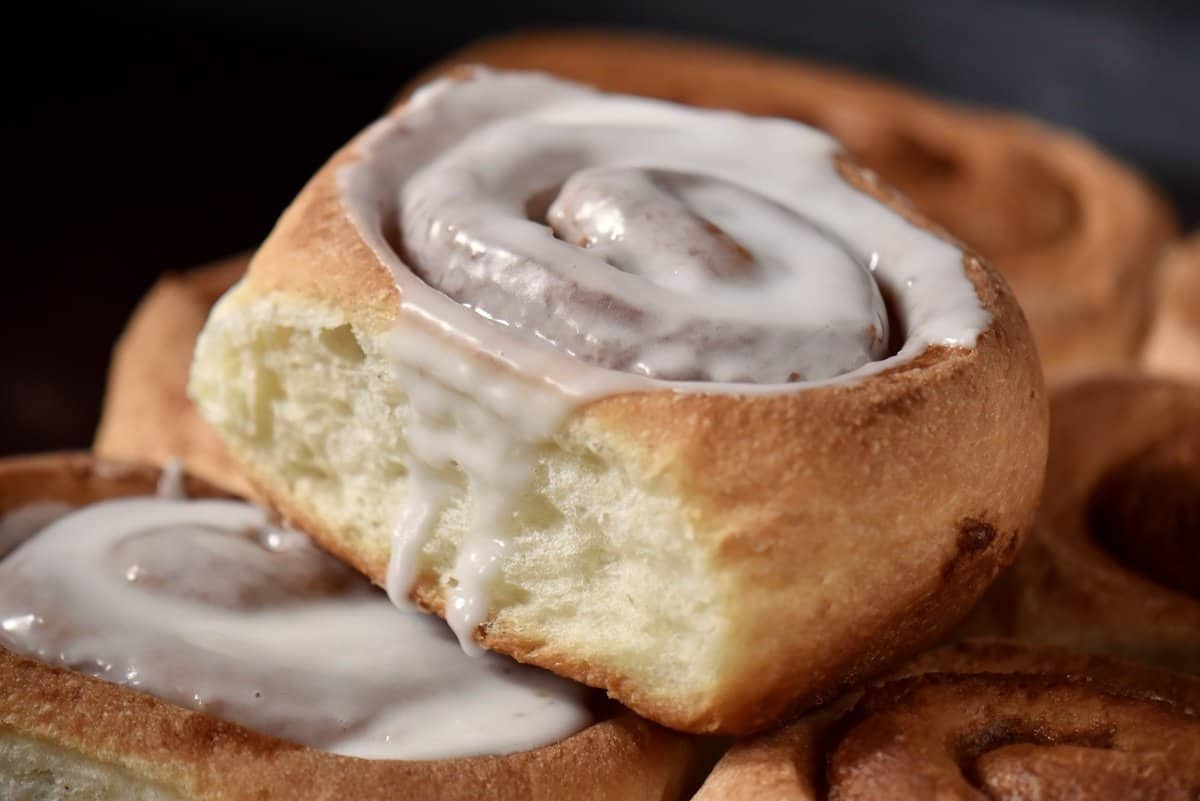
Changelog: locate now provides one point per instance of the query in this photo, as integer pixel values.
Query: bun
(977, 719)
(147, 414)
(1110, 567)
(1078, 235)
(67, 735)
(683, 544)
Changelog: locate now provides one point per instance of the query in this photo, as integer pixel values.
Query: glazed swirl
(206, 605)
(552, 245)
(660, 270)
(1076, 234)
(652, 238)
(986, 721)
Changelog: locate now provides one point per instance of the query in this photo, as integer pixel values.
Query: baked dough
(147, 415)
(1078, 235)
(64, 735)
(714, 558)
(982, 719)
(1173, 346)
(1111, 566)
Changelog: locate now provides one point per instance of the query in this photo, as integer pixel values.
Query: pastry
(243, 663)
(1173, 346)
(1077, 234)
(147, 415)
(1017, 210)
(1111, 566)
(980, 720)
(677, 403)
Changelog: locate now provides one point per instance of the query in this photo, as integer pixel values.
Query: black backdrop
(145, 137)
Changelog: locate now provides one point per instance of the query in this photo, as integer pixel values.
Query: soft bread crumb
(601, 567)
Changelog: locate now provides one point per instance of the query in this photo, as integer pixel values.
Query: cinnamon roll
(147, 415)
(163, 646)
(1111, 566)
(681, 404)
(1078, 235)
(981, 720)
(1173, 347)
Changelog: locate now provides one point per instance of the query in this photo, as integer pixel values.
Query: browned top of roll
(157, 744)
(147, 415)
(985, 720)
(1076, 233)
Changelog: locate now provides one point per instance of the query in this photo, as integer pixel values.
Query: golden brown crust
(147, 414)
(1173, 346)
(953, 444)
(984, 719)
(200, 757)
(1123, 478)
(748, 461)
(1076, 234)
(339, 270)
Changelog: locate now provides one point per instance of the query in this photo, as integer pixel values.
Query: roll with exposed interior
(178, 644)
(681, 404)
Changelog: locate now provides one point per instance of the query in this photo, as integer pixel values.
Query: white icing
(797, 304)
(21, 523)
(518, 327)
(492, 442)
(170, 480)
(206, 605)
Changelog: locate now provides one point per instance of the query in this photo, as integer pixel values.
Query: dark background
(147, 137)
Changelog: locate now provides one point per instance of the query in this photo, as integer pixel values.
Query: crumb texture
(312, 406)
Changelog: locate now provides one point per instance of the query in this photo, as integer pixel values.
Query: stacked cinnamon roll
(688, 405)
(984, 720)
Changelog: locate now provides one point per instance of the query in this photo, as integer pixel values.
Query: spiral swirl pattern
(985, 720)
(651, 238)
(206, 605)
(1012, 737)
(1076, 234)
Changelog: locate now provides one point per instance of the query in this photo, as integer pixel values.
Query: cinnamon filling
(1145, 511)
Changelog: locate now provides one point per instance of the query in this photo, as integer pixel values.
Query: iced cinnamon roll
(1078, 235)
(147, 415)
(160, 645)
(681, 404)
(1111, 566)
(1173, 346)
(983, 720)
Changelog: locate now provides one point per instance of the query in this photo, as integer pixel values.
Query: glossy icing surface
(207, 605)
(554, 245)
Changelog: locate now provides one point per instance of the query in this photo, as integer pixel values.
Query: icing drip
(492, 444)
(203, 603)
(170, 480)
(581, 245)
